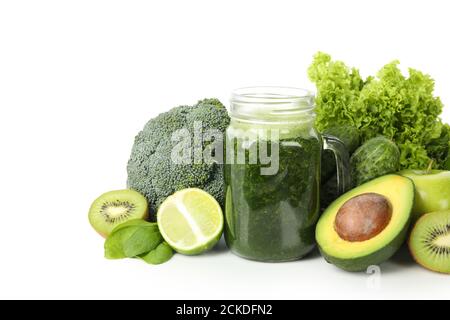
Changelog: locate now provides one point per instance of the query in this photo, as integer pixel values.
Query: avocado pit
(363, 217)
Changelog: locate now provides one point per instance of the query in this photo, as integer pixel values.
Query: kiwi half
(430, 241)
(116, 207)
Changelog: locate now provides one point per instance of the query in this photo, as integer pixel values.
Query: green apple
(432, 190)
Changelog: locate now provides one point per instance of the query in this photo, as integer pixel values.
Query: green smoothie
(272, 217)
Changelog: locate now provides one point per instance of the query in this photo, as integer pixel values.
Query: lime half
(191, 221)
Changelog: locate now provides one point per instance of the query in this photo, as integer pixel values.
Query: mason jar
(272, 173)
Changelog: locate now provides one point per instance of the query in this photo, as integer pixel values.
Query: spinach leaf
(132, 239)
(136, 223)
(142, 240)
(162, 253)
(114, 243)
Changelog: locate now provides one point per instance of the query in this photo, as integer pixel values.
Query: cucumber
(375, 158)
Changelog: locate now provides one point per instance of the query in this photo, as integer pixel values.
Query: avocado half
(359, 255)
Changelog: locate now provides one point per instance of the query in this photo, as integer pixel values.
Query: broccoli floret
(150, 168)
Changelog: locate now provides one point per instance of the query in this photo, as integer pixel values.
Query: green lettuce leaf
(400, 108)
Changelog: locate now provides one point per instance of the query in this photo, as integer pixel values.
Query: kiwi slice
(430, 241)
(116, 207)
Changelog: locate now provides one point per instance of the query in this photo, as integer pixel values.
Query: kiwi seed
(434, 234)
(124, 208)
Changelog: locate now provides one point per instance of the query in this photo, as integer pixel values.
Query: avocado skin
(376, 258)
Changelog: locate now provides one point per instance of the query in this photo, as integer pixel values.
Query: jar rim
(274, 94)
(270, 102)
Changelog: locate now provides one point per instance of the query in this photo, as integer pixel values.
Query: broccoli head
(151, 170)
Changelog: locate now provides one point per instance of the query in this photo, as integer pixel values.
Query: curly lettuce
(403, 109)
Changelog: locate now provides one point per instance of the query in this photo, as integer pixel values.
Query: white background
(78, 80)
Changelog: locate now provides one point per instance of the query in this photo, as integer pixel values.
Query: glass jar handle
(342, 161)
